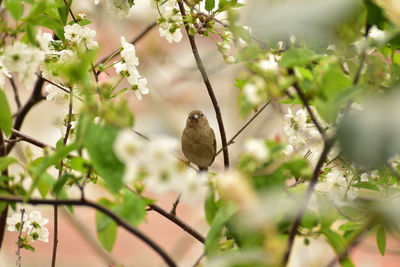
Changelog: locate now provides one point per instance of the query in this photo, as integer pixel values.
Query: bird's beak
(196, 116)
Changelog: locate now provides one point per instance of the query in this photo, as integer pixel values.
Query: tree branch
(208, 86)
(303, 205)
(109, 213)
(4, 213)
(16, 94)
(232, 140)
(70, 11)
(35, 98)
(187, 228)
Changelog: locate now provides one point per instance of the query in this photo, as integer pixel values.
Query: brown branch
(303, 205)
(30, 140)
(4, 213)
(232, 140)
(21, 226)
(35, 98)
(363, 56)
(175, 205)
(79, 202)
(304, 100)
(16, 94)
(187, 228)
(134, 41)
(70, 11)
(208, 86)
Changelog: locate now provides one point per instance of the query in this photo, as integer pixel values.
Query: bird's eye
(202, 115)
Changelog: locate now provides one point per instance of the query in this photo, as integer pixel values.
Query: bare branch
(16, 94)
(70, 11)
(21, 226)
(109, 213)
(208, 86)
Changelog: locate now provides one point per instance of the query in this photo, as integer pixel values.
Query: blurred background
(176, 88)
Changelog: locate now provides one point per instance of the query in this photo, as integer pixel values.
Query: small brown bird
(198, 140)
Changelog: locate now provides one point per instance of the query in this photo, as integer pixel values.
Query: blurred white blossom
(23, 60)
(14, 222)
(376, 34)
(119, 8)
(56, 94)
(254, 91)
(339, 187)
(256, 148)
(169, 20)
(270, 64)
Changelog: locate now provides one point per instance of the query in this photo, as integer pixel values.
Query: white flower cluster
(339, 186)
(3, 73)
(21, 59)
(303, 137)
(255, 91)
(119, 8)
(81, 37)
(157, 159)
(225, 45)
(169, 21)
(256, 148)
(33, 224)
(270, 64)
(126, 67)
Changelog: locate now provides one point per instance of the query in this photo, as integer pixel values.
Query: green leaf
(366, 185)
(63, 12)
(210, 205)
(6, 161)
(337, 241)
(210, 4)
(381, 239)
(37, 170)
(106, 227)
(298, 57)
(223, 215)
(15, 7)
(60, 183)
(5, 114)
(99, 143)
(133, 209)
(375, 14)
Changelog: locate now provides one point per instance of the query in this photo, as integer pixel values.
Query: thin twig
(70, 11)
(60, 171)
(16, 94)
(187, 228)
(109, 213)
(199, 260)
(304, 100)
(303, 205)
(232, 140)
(4, 213)
(175, 205)
(363, 56)
(21, 226)
(34, 98)
(208, 86)
(30, 140)
(134, 41)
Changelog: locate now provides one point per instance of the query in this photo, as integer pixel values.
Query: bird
(198, 140)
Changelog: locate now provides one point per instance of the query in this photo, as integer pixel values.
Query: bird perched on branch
(198, 140)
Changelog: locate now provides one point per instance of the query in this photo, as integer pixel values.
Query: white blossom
(193, 186)
(142, 88)
(22, 59)
(270, 65)
(253, 91)
(41, 234)
(56, 94)
(376, 34)
(3, 73)
(339, 187)
(14, 222)
(81, 36)
(127, 145)
(288, 150)
(257, 148)
(44, 40)
(119, 8)
(169, 27)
